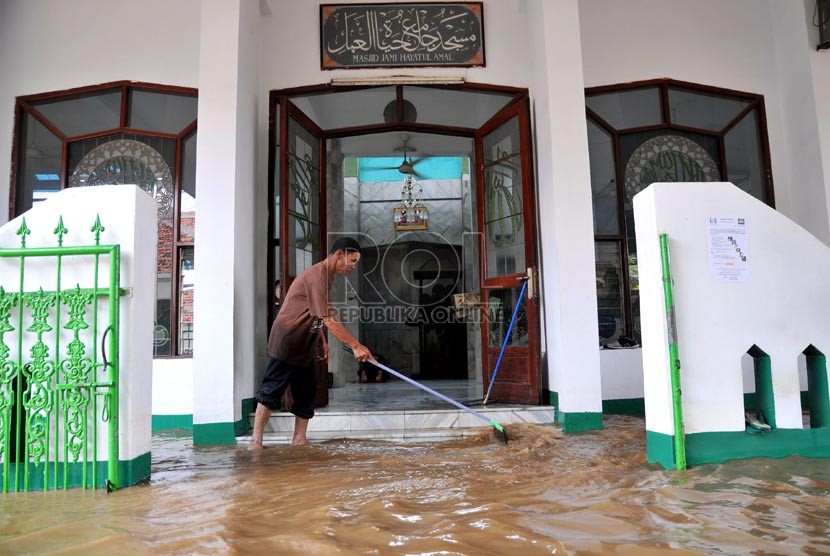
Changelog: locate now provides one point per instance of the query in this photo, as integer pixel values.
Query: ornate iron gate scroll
(52, 373)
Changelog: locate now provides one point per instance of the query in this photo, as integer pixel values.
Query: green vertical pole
(19, 393)
(56, 404)
(94, 390)
(115, 273)
(674, 358)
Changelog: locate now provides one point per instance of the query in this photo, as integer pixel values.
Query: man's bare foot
(300, 441)
(255, 445)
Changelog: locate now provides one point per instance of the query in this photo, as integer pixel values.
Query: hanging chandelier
(411, 212)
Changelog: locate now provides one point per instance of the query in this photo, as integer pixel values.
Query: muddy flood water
(543, 493)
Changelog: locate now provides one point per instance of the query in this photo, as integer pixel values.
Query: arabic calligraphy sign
(390, 35)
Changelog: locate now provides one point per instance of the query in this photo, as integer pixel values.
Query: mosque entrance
(435, 181)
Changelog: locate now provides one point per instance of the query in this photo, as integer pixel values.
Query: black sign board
(406, 34)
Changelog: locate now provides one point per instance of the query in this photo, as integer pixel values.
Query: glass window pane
(165, 112)
(743, 156)
(303, 195)
(503, 210)
(454, 108)
(85, 114)
(500, 307)
(187, 201)
(301, 260)
(126, 158)
(667, 156)
(610, 311)
(502, 142)
(603, 180)
(306, 235)
(703, 111)
(38, 175)
(503, 189)
(626, 109)
(634, 283)
(346, 109)
(186, 290)
(161, 332)
(505, 259)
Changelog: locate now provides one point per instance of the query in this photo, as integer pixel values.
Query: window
(121, 133)
(661, 130)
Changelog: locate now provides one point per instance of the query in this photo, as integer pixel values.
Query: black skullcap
(347, 244)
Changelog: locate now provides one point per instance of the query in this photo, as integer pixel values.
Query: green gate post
(113, 480)
(674, 358)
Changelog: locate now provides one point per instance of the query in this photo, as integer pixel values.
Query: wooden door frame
(279, 101)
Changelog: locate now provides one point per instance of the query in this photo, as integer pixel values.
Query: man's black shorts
(278, 377)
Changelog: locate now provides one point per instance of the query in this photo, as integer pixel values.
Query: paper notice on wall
(728, 249)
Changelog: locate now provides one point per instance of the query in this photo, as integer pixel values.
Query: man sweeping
(297, 336)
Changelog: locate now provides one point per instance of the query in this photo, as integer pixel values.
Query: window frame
(755, 103)
(24, 105)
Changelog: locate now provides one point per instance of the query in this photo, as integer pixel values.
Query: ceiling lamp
(411, 213)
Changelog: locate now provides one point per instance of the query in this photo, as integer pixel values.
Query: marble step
(401, 425)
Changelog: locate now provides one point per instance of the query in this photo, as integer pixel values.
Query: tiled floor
(400, 412)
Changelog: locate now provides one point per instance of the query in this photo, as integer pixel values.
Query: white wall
(173, 386)
(291, 40)
(129, 218)
(718, 322)
(51, 45)
(746, 45)
(622, 373)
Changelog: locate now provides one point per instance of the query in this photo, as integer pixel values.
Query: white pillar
(225, 183)
(808, 202)
(566, 218)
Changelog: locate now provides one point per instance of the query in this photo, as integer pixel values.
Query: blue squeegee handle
(506, 339)
(431, 391)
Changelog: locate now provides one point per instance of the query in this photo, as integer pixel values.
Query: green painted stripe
(716, 447)
(130, 472)
(243, 426)
(167, 422)
(660, 449)
(630, 406)
(552, 396)
(578, 422)
(573, 422)
(214, 433)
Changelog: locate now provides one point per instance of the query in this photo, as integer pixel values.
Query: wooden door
(506, 221)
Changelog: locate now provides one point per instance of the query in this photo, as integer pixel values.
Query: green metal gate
(57, 389)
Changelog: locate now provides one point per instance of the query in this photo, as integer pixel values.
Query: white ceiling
(384, 144)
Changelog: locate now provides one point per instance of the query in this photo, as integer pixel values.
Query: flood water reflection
(544, 493)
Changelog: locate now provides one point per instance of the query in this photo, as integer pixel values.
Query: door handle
(531, 282)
